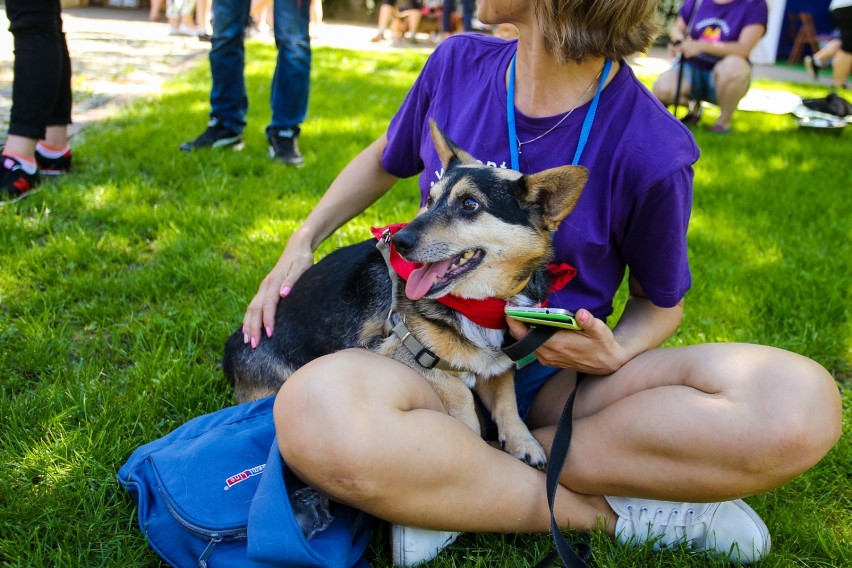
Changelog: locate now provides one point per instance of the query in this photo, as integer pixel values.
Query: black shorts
(843, 20)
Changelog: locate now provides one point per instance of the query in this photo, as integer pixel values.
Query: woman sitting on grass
(713, 39)
(665, 441)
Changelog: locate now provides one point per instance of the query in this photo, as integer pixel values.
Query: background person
(180, 15)
(41, 98)
(714, 52)
(468, 10)
(841, 64)
(412, 11)
(290, 83)
(678, 432)
(822, 58)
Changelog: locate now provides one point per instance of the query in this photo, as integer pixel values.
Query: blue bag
(216, 492)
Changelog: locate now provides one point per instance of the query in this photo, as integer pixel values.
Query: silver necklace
(567, 114)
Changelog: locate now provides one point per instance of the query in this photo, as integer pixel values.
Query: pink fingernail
(268, 331)
(253, 343)
(245, 338)
(285, 290)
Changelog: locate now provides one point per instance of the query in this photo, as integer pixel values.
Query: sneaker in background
(412, 546)
(730, 529)
(216, 136)
(284, 145)
(812, 67)
(15, 183)
(53, 166)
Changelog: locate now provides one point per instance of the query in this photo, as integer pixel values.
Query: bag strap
(575, 554)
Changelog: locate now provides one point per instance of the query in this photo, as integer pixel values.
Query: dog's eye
(469, 205)
(429, 202)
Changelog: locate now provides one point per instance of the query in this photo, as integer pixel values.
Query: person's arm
(678, 31)
(676, 36)
(748, 38)
(361, 183)
(600, 351)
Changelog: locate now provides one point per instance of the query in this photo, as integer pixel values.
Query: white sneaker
(411, 546)
(729, 529)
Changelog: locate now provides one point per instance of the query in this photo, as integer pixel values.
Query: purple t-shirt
(721, 22)
(635, 207)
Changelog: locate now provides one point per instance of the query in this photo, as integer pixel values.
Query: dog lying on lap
(484, 235)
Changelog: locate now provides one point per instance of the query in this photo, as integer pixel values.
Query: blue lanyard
(587, 122)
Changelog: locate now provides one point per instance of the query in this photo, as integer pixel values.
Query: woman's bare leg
(370, 432)
(700, 423)
(665, 88)
(731, 77)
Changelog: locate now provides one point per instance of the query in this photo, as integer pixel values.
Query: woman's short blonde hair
(575, 30)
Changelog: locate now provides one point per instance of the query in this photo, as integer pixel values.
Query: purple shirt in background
(635, 208)
(721, 22)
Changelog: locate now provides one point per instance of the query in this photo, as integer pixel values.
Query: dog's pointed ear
(556, 191)
(448, 152)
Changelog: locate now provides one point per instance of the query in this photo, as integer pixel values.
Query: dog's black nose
(404, 241)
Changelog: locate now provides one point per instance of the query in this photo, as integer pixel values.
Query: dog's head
(484, 230)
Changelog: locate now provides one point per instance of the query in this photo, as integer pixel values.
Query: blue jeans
(291, 81)
(701, 82)
(468, 8)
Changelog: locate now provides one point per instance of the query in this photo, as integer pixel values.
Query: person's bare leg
(841, 66)
(20, 146)
(731, 77)
(156, 9)
(384, 22)
(665, 88)
(414, 22)
(202, 15)
(56, 136)
(828, 51)
(371, 433)
(701, 423)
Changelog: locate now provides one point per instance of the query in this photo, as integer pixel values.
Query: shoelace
(667, 530)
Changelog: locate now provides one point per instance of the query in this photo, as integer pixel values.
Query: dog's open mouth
(433, 276)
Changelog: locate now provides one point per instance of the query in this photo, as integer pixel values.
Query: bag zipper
(215, 537)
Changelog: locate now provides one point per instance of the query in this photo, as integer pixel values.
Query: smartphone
(543, 316)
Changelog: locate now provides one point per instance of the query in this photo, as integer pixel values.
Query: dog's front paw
(525, 448)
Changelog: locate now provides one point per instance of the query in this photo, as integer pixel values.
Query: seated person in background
(714, 49)
(411, 12)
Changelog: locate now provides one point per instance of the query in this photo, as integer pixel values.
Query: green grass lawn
(120, 283)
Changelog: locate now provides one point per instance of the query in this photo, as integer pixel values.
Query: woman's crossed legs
(699, 423)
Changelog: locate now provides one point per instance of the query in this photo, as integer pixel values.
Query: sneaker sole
(234, 144)
(22, 196)
(297, 163)
(52, 172)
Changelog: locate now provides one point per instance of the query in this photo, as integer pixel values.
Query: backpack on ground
(215, 492)
(831, 104)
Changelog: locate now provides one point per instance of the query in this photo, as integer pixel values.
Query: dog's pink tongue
(421, 279)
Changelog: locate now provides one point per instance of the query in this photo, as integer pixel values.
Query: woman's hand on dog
(294, 261)
(592, 349)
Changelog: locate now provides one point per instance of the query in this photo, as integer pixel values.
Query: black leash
(575, 554)
(683, 61)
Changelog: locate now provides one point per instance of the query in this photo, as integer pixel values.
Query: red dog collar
(488, 312)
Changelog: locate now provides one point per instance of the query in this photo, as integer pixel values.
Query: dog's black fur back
(310, 324)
